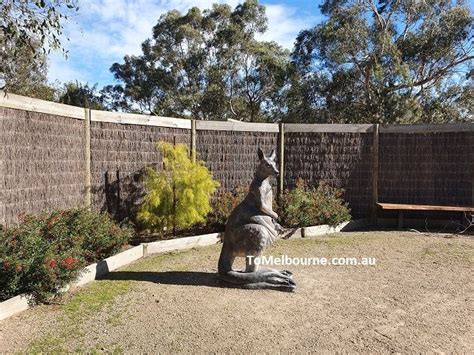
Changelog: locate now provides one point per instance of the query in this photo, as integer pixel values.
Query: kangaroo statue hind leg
(251, 228)
(253, 277)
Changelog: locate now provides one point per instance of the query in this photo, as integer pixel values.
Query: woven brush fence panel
(232, 156)
(432, 168)
(42, 163)
(343, 160)
(119, 157)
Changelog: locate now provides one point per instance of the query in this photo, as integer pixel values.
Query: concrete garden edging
(103, 267)
(13, 306)
(163, 246)
(92, 272)
(325, 229)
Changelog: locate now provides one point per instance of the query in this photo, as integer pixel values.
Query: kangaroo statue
(252, 226)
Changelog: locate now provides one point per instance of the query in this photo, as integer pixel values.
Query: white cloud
(105, 30)
(284, 24)
(117, 27)
(59, 69)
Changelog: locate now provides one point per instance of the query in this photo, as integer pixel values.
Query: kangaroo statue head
(267, 166)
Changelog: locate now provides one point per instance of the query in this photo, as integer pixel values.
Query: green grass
(94, 297)
(91, 299)
(48, 344)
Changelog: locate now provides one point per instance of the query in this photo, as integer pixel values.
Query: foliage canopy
(368, 61)
(83, 95)
(384, 61)
(205, 64)
(29, 30)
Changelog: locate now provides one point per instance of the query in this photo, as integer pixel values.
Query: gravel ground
(417, 298)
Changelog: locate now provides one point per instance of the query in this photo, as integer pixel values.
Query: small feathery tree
(178, 196)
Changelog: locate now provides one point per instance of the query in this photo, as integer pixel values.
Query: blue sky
(103, 31)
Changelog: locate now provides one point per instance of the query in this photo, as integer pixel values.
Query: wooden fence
(59, 156)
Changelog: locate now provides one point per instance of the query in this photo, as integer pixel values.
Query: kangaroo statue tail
(261, 279)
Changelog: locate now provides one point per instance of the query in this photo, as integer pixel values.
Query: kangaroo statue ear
(260, 153)
(272, 155)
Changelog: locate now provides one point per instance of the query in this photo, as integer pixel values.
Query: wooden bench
(406, 207)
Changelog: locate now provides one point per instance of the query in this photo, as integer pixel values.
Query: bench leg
(400, 219)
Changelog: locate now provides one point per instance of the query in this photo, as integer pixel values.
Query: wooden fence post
(193, 140)
(375, 173)
(281, 158)
(87, 157)
(472, 191)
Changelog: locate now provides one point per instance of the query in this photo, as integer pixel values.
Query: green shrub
(101, 235)
(44, 253)
(178, 196)
(223, 205)
(308, 206)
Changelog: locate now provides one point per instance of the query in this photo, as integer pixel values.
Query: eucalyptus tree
(384, 61)
(29, 30)
(82, 95)
(206, 65)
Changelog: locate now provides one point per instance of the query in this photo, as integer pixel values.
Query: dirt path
(417, 298)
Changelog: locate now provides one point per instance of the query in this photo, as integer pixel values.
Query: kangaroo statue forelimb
(252, 226)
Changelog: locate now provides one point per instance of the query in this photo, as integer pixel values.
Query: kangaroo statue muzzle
(252, 226)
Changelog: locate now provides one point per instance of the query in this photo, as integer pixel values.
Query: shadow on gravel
(187, 278)
(183, 278)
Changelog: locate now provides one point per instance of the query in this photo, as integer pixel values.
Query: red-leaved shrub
(44, 253)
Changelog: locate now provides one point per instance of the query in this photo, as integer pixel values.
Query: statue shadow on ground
(180, 278)
(184, 278)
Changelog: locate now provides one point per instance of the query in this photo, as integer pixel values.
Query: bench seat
(410, 207)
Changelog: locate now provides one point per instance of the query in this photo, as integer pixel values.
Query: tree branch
(380, 19)
(434, 76)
